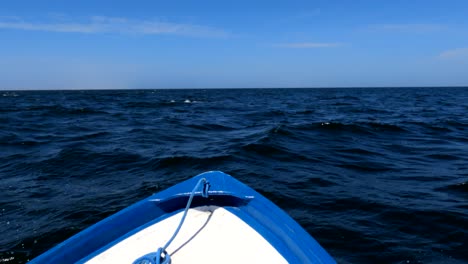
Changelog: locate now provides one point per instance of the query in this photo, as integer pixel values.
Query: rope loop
(163, 258)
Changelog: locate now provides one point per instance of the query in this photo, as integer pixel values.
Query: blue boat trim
(277, 227)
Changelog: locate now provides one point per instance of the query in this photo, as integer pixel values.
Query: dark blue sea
(375, 175)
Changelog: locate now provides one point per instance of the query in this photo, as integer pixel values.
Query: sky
(100, 44)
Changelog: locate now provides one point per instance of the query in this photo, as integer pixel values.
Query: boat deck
(210, 234)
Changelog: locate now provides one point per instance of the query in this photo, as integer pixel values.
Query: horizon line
(238, 88)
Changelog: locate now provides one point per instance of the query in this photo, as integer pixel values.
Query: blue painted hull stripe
(277, 227)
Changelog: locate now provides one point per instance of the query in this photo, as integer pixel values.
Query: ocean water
(375, 175)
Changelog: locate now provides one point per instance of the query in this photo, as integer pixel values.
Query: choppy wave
(375, 175)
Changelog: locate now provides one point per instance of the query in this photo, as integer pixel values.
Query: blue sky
(92, 44)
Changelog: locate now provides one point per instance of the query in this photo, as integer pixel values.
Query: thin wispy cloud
(308, 45)
(454, 54)
(408, 28)
(103, 24)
